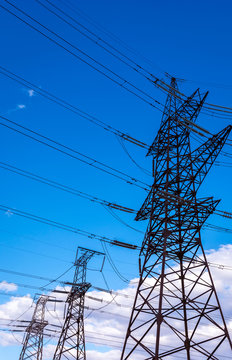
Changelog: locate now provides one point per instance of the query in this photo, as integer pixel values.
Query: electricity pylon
(71, 344)
(176, 312)
(33, 342)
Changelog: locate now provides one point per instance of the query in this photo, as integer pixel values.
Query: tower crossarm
(188, 220)
(204, 156)
(193, 167)
(183, 115)
(77, 291)
(155, 205)
(36, 326)
(196, 166)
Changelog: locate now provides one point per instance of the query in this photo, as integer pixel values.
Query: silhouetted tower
(33, 342)
(71, 344)
(176, 312)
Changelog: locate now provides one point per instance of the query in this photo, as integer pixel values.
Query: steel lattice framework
(33, 342)
(71, 344)
(176, 312)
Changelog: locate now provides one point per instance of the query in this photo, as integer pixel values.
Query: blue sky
(187, 39)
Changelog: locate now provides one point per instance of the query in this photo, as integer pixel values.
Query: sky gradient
(190, 40)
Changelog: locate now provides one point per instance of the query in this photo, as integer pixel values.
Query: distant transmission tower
(71, 344)
(176, 312)
(33, 342)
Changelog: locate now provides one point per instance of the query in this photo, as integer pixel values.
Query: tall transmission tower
(71, 344)
(33, 342)
(176, 312)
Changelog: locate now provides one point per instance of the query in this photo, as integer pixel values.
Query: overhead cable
(71, 190)
(119, 55)
(118, 80)
(68, 151)
(96, 65)
(66, 105)
(64, 227)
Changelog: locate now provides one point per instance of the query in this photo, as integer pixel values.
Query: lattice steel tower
(176, 312)
(33, 342)
(71, 344)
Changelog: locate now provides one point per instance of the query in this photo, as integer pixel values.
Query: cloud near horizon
(8, 287)
(105, 327)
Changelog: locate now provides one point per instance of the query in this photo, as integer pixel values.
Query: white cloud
(105, 328)
(8, 287)
(21, 106)
(31, 92)
(90, 354)
(16, 306)
(48, 351)
(13, 309)
(9, 213)
(96, 355)
(9, 339)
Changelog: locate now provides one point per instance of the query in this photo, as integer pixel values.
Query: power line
(145, 171)
(89, 308)
(124, 81)
(73, 191)
(217, 228)
(133, 181)
(56, 280)
(118, 54)
(135, 66)
(68, 151)
(74, 109)
(66, 292)
(91, 58)
(68, 189)
(125, 45)
(81, 13)
(85, 195)
(104, 337)
(35, 253)
(122, 221)
(106, 204)
(119, 80)
(65, 227)
(92, 119)
(99, 41)
(114, 267)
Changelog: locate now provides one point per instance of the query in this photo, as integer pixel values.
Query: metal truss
(71, 344)
(176, 312)
(33, 342)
